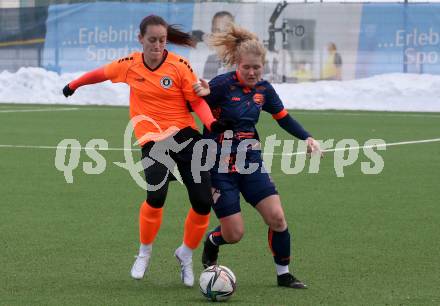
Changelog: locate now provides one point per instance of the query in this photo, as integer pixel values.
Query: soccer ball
(217, 283)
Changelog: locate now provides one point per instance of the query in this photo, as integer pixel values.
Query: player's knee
(202, 209)
(156, 199)
(201, 203)
(277, 222)
(233, 236)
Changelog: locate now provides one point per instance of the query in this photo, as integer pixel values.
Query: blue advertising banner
(84, 36)
(383, 37)
(399, 38)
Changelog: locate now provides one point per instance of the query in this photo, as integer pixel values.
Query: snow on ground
(388, 92)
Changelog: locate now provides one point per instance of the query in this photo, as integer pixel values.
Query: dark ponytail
(174, 33)
(178, 37)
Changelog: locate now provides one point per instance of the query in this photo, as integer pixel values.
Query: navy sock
(279, 243)
(216, 236)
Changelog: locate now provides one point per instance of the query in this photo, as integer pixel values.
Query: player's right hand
(201, 88)
(67, 91)
(313, 147)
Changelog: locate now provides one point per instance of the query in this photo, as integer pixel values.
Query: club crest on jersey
(166, 82)
(258, 98)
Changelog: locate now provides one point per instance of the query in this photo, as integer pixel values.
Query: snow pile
(389, 92)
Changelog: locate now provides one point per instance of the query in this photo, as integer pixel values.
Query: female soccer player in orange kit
(161, 82)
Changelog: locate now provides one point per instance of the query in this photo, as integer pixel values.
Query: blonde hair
(234, 42)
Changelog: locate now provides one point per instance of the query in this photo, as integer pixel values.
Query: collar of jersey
(238, 81)
(165, 55)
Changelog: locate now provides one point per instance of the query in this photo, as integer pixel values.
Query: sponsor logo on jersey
(258, 98)
(237, 99)
(166, 82)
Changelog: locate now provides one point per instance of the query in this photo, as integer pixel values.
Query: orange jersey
(160, 94)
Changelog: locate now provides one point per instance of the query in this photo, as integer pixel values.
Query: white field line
(6, 146)
(293, 111)
(64, 147)
(38, 110)
(3, 109)
(366, 113)
(362, 147)
(116, 107)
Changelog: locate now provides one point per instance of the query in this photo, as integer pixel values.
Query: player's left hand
(201, 88)
(313, 147)
(222, 125)
(67, 91)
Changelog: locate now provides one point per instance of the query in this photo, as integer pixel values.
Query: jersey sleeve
(293, 127)
(116, 71)
(188, 78)
(273, 104)
(91, 77)
(218, 88)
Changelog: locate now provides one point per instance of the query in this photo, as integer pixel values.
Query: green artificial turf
(357, 240)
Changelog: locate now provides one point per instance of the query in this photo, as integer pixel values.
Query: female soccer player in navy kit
(240, 96)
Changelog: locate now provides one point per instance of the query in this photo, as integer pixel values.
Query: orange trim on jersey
(246, 89)
(280, 115)
(244, 135)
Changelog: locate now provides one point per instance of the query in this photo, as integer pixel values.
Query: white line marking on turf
(366, 113)
(6, 146)
(293, 111)
(362, 147)
(38, 110)
(122, 107)
(63, 147)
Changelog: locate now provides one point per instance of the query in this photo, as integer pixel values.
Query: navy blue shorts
(254, 188)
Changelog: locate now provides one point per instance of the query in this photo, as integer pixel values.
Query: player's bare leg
(230, 231)
(279, 240)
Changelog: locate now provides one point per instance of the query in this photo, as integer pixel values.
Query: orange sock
(150, 219)
(195, 228)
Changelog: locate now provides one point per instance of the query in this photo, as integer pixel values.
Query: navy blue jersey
(232, 100)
